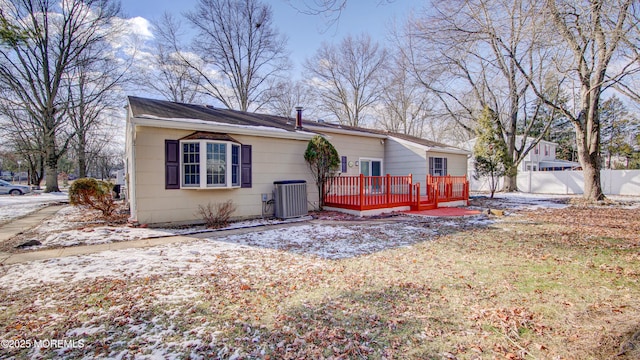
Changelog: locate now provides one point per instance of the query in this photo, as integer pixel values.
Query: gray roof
(142, 107)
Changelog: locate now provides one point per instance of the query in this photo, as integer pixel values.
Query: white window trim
(441, 168)
(360, 160)
(203, 165)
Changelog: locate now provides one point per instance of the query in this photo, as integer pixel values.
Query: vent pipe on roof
(298, 117)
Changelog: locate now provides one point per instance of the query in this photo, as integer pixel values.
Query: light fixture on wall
(381, 141)
(357, 163)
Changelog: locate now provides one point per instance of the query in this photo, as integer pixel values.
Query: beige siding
(272, 160)
(404, 159)
(456, 163)
(357, 147)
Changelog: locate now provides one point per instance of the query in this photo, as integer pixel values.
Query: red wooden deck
(383, 192)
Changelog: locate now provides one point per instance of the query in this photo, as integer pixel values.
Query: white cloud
(140, 27)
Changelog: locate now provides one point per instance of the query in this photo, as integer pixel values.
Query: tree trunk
(82, 165)
(52, 177)
(592, 186)
(81, 153)
(590, 162)
(510, 183)
(51, 162)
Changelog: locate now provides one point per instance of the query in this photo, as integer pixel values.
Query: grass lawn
(544, 284)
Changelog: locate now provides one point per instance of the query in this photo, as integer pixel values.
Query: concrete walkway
(20, 225)
(17, 226)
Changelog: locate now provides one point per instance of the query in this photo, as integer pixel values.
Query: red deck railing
(441, 189)
(379, 192)
(368, 192)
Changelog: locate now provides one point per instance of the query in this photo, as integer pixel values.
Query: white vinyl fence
(614, 182)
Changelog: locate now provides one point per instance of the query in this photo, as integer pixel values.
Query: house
(181, 156)
(543, 157)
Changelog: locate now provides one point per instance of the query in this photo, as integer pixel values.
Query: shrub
(323, 161)
(217, 216)
(92, 193)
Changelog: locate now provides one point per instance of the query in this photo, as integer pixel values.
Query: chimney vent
(298, 117)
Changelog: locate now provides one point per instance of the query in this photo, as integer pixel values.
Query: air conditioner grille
(290, 198)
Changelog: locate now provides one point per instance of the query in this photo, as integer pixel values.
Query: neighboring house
(181, 156)
(541, 158)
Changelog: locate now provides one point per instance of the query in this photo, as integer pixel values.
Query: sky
(305, 32)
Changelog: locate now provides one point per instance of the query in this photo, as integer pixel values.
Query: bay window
(210, 164)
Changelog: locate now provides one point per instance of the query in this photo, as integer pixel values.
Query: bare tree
(286, 95)
(470, 53)
(57, 34)
(164, 72)
(331, 10)
(92, 98)
(347, 77)
(596, 37)
(107, 159)
(239, 51)
(23, 138)
(405, 103)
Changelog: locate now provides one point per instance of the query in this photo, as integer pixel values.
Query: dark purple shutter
(444, 167)
(344, 164)
(430, 165)
(245, 168)
(171, 164)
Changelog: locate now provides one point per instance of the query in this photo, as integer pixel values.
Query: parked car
(13, 189)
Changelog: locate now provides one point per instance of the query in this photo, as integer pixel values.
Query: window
(191, 164)
(219, 166)
(371, 167)
(185, 166)
(437, 166)
(216, 164)
(235, 165)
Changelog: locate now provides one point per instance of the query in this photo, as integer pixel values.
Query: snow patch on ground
(334, 241)
(315, 242)
(319, 240)
(67, 228)
(143, 262)
(13, 207)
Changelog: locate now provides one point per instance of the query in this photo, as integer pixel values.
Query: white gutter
(201, 125)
